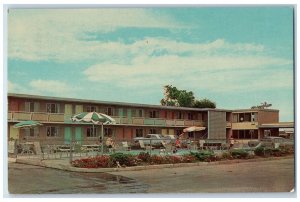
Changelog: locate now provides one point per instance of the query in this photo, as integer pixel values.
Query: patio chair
(126, 146)
(168, 148)
(145, 147)
(78, 148)
(26, 149)
(194, 145)
(201, 144)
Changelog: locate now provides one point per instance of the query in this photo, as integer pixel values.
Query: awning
(193, 128)
(277, 125)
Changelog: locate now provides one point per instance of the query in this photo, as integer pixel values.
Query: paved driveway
(262, 176)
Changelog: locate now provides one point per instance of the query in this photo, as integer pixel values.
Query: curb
(68, 167)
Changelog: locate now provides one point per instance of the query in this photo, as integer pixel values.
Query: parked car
(155, 139)
(276, 141)
(169, 138)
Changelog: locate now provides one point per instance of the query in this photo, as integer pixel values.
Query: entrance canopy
(277, 125)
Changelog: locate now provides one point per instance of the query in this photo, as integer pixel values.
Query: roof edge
(62, 99)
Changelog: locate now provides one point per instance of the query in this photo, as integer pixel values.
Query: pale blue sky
(237, 57)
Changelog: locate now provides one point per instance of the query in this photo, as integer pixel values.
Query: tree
(183, 98)
(175, 97)
(204, 103)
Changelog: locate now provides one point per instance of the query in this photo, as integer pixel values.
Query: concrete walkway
(64, 164)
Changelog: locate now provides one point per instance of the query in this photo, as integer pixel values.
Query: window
(235, 118)
(109, 111)
(178, 132)
(200, 117)
(152, 131)
(153, 114)
(139, 132)
(190, 116)
(228, 116)
(191, 134)
(179, 115)
(29, 106)
(245, 134)
(31, 132)
(235, 134)
(108, 132)
(254, 134)
(52, 108)
(140, 113)
(253, 117)
(90, 108)
(52, 131)
(267, 133)
(247, 117)
(91, 132)
(241, 118)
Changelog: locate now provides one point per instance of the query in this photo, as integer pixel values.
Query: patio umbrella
(193, 129)
(94, 118)
(27, 124)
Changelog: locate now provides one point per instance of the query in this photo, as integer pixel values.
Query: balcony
(40, 116)
(36, 116)
(138, 121)
(56, 117)
(244, 126)
(228, 124)
(66, 118)
(22, 116)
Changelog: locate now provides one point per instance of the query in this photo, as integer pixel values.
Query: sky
(237, 57)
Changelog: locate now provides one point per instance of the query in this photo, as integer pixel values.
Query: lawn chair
(145, 147)
(126, 146)
(169, 148)
(201, 144)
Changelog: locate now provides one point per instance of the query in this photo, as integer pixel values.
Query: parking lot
(247, 177)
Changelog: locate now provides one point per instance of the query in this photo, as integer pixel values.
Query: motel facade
(132, 120)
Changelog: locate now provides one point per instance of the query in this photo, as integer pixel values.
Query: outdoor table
(27, 148)
(93, 147)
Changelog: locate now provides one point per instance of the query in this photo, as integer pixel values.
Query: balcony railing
(66, 118)
(23, 116)
(244, 125)
(228, 124)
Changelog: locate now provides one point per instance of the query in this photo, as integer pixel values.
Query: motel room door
(67, 135)
(78, 135)
(14, 133)
(129, 114)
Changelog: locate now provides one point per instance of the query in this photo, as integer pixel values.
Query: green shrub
(188, 158)
(123, 159)
(226, 155)
(155, 159)
(259, 151)
(144, 157)
(239, 154)
(267, 151)
(204, 155)
(92, 162)
(173, 159)
(253, 143)
(287, 150)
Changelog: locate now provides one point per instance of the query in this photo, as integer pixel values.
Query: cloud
(50, 86)
(193, 70)
(54, 34)
(14, 87)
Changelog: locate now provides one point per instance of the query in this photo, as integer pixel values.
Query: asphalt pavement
(246, 177)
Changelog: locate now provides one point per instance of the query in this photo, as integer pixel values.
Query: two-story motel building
(132, 120)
